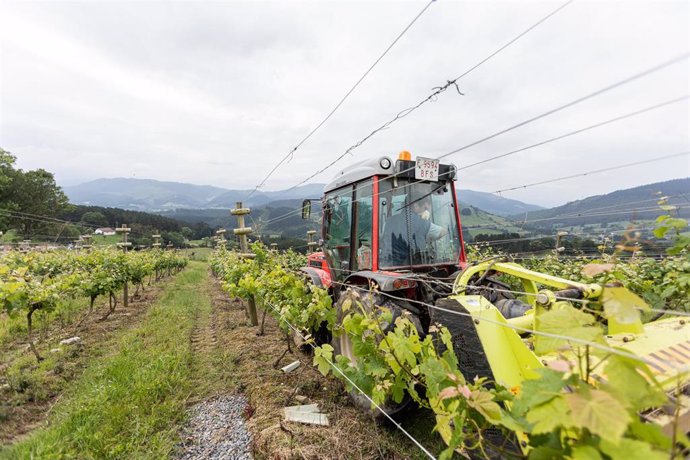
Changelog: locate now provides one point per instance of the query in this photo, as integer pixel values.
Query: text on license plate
(426, 169)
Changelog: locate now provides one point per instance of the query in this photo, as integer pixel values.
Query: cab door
(348, 224)
(337, 218)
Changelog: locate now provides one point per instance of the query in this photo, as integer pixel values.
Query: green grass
(201, 254)
(129, 403)
(106, 240)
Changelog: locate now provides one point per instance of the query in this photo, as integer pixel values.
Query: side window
(363, 226)
(337, 240)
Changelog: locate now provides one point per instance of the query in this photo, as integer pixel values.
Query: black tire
(342, 345)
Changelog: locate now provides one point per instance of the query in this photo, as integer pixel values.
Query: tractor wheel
(342, 345)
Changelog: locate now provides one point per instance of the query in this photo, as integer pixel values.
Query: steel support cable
(599, 92)
(569, 214)
(405, 112)
(522, 222)
(596, 171)
(34, 219)
(589, 343)
(602, 214)
(493, 289)
(342, 100)
(536, 237)
(567, 105)
(584, 214)
(49, 220)
(287, 215)
(44, 218)
(336, 368)
(578, 131)
(560, 108)
(464, 286)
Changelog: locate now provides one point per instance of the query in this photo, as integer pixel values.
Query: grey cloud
(192, 91)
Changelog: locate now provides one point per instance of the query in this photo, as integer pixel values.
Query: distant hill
(155, 196)
(142, 194)
(638, 203)
(163, 197)
(476, 221)
(494, 204)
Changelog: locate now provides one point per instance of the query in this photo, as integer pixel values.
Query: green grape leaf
(538, 391)
(585, 453)
(566, 321)
(549, 416)
(622, 304)
(631, 449)
(599, 412)
(632, 388)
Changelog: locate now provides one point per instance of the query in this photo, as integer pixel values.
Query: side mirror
(306, 209)
(326, 227)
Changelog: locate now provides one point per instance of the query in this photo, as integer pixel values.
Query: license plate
(426, 169)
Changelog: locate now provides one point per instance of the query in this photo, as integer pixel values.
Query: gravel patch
(217, 430)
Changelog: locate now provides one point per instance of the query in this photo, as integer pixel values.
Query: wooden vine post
(156, 241)
(86, 241)
(220, 238)
(311, 243)
(124, 245)
(242, 232)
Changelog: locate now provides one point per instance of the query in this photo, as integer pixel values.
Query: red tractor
(384, 221)
(393, 228)
(392, 224)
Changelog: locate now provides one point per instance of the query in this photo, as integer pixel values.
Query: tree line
(34, 207)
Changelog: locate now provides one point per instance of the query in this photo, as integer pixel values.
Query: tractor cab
(385, 216)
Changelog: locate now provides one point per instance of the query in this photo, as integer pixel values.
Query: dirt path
(222, 391)
(351, 434)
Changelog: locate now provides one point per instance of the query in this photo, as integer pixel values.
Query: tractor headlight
(385, 163)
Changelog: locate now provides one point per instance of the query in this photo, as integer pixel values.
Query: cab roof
(359, 171)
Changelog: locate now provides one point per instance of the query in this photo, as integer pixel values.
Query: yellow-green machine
(507, 349)
(395, 225)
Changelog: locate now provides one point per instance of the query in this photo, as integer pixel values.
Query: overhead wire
(560, 108)
(342, 100)
(595, 345)
(50, 220)
(596, 171)
(354, 385)
(43, 218)
(588, 210)
(578, 131)
(437, 91)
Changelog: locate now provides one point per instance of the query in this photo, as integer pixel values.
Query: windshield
(417, 224)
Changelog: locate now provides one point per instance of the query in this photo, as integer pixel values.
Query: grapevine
(561, 413)
(31, 282)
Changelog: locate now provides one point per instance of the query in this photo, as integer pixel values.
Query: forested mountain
(494, 204)
(638, 203)
(156, 196)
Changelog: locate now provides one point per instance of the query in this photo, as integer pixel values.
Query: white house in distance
(105, 231)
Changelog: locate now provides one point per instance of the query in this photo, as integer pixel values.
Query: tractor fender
(386, 281)
(320, 278)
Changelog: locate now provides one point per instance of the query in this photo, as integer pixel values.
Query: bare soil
(257, 375)
(29, 389)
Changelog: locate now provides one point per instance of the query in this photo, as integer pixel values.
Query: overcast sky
(217, 92)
